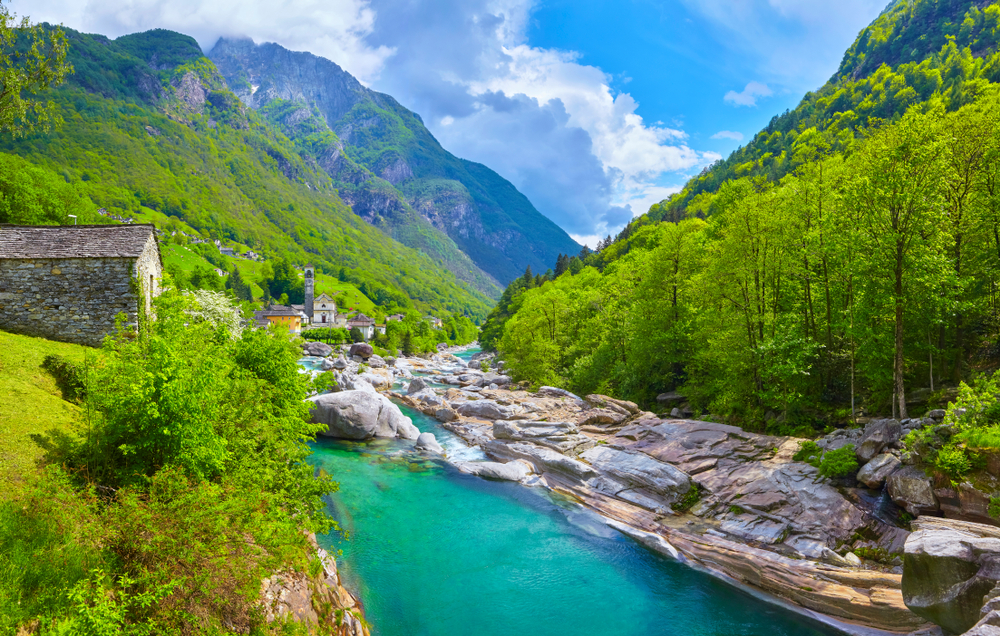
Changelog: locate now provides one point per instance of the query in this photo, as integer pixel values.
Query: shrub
(809, 452)
(68, 377)
(839, 463)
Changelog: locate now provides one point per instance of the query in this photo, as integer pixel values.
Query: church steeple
(310, 287)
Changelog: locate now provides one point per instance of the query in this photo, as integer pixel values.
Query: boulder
(911, 489)
(445, 414)
(441, 346)
(511, 471)
(320, 349)
(551, 391)
(602, 418)
(878, 435)
(376, 361)
(340, 363)
(874, 473)
(604, 402)
(488, 410)
(561, 436)
(360, 415)
(936, 414)
(416, 385)
(377, 380)
(666, 399)
(390, 361)
(428, 396)
(494, 378)
(947, 572)
(541, 459)
(361, 349)
(328, 365)
(427, 442)
(352, 382)
(639, 470)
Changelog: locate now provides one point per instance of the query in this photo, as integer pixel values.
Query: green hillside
(845, 263)
(915, 51)
(161, 133)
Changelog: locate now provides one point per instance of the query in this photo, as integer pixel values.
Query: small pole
(72, 216)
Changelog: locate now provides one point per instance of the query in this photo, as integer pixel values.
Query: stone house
(364, 324)
(70, 282)
(287, 317)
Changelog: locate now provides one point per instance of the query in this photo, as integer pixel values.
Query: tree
(356, 335)
(238, 286)
(896, 191)
(33, 59)
(407, 346)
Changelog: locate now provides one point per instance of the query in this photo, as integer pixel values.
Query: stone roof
(74, 241)
(275, 310)
(360, 320)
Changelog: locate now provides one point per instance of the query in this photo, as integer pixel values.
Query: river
(434, 552)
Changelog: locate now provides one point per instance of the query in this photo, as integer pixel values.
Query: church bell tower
(310, 287)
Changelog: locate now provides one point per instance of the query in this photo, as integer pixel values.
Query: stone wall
(71, 299)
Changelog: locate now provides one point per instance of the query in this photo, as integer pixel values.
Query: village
(70, 282)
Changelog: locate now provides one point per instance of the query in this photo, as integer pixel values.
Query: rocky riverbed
(715, 496)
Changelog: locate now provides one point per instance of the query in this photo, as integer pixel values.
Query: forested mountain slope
(914, 50)
(387, 165)
(852, 271)
(150, 124)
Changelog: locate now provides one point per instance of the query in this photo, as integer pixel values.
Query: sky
(595, 110)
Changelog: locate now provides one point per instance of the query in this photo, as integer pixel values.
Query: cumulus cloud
(550, 124)
(748, 96)
(334, 29)
(728, 134)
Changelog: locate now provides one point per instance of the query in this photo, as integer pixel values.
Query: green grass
(31, 402)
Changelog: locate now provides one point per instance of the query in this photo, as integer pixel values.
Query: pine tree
(528, 278)
(407, 346)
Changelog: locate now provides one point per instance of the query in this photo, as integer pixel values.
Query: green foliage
(971, 427)
(31, 195)
(32, 58)
(839, 463)
(131, 147)
(852, 280)
(690, 498)
(993, 509)
(879, 555)
(329, 335)
(68, 376)
(194, 433)
(809, 452)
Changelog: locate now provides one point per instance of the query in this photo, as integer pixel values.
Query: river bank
(619, 465)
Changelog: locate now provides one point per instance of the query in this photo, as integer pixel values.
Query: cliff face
(388, 165)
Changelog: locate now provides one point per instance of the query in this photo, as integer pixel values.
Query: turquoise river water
(434, 552)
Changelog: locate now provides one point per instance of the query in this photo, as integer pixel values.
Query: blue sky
(594, 110)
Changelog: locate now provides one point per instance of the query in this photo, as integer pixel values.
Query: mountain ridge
(404, 170)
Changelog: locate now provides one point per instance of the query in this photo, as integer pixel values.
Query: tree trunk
(897, 370)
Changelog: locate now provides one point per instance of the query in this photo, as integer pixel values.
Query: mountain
(913, 52)
(846, 259)
(386, 164)
(151, 129)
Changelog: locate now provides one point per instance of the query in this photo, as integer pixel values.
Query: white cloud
(551, 125)
(334, 29)
(728, 134)
(749, 95)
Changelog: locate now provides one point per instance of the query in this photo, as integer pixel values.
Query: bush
(68, 377)
(839, 463)
(809, 452)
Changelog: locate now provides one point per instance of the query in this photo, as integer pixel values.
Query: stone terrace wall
(67, 299)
